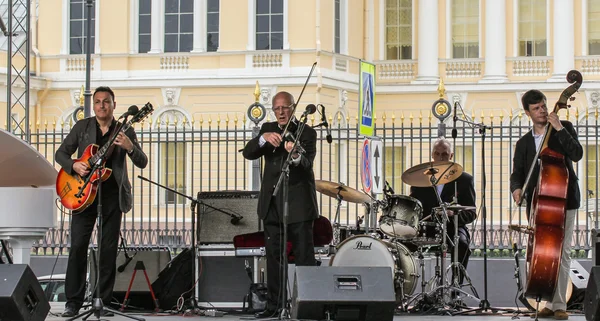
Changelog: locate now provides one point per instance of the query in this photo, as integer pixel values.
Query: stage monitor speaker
(154, 260)
(21, 296)
(343, 293)
(215, 223)
(591, 304)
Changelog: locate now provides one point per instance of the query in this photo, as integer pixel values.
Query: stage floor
(475, 316)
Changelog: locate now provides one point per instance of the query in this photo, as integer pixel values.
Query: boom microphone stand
(235, 218)
(284, 180)
(97, 305)
(484, 304)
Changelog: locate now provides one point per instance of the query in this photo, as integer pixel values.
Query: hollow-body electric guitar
(76, 193)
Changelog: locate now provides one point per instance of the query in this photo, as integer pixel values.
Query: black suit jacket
(564, 142)
(302, 197)
(81, 136)
(465, 196)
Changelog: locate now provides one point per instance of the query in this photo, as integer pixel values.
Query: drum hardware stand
(457, 267)
(336, 221)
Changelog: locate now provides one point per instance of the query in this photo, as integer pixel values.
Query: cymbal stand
(336, 220)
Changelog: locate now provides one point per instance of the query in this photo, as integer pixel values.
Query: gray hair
(442, 140)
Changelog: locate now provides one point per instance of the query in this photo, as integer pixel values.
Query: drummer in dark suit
(302, 197)
(463, 188)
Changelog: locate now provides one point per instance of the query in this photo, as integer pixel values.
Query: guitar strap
(114, 132)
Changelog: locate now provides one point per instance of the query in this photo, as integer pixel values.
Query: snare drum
(430, 233)
(363, 250)
(400, 218)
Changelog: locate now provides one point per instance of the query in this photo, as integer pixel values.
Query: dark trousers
(301, 236)
(82, 225)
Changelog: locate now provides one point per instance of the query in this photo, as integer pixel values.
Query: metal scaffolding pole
(18, 71)
(87, 109)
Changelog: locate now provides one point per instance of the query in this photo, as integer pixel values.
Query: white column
(428, 42)
(563, 43)
(495, 41)
(156, 32)
(200, 26)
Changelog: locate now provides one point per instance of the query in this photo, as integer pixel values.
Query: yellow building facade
(199, 60)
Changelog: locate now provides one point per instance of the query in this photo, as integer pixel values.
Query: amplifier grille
(215, 226)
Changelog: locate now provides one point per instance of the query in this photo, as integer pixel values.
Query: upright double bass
(548, 208)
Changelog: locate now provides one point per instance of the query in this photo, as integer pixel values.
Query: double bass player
(563, 140)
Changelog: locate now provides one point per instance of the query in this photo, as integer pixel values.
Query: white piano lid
(23, 165)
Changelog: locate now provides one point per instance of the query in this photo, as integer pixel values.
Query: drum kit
(402, 235)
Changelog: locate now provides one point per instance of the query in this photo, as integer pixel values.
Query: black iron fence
(204, 156)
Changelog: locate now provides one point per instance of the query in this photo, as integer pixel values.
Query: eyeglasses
(279, 108)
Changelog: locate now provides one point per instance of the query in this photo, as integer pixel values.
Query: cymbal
(457, 208)
(347, 193)
(444, 172)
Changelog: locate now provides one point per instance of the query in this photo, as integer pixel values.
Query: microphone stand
(484, 304)
(194, 204)
(97, 304)
(284, 180)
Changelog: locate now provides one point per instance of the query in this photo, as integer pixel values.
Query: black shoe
(268, 313)
(69, 312)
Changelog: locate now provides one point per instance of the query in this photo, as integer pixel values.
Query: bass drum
(363, 250)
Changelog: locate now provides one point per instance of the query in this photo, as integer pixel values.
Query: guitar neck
(104, 149)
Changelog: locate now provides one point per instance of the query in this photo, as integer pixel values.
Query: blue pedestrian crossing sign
(366, 98)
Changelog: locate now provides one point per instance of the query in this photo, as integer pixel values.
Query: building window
(395, 165)
(465, 29)
(212, 25)
(144, 25)
(172, 171)
(398, 29)
(532, 28)
(179, 25)
(269, 24)
(78, 27)
(594, 27)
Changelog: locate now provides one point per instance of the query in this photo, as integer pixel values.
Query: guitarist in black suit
(116, 198)
(302, 198)
(563, 139)
(464, 190)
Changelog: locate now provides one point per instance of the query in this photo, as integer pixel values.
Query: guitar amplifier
(214, 215)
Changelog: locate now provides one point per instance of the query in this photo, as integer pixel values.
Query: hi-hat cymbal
(420, 175)
(347, 193)
(457, 208)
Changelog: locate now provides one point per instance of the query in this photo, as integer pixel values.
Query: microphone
(236, 219)
(454, 132)
(326, 124)
(132, 110)
(310, 109)
(128, 259)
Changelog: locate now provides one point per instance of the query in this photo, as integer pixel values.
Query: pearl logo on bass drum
(360, 246)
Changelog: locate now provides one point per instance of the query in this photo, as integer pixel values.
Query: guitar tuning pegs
(572, 98)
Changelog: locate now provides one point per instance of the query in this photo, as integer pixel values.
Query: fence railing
(193, 157)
